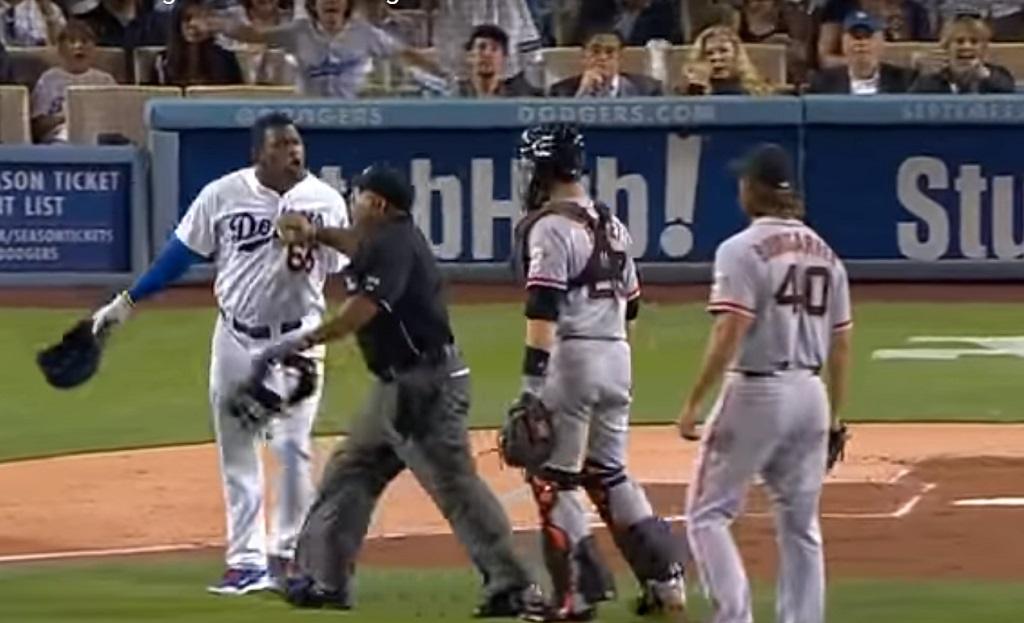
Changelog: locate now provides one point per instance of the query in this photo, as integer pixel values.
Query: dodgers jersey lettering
(783, 275)
(559, 248)
(259, 280)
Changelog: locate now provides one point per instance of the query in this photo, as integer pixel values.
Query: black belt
(594, 338)
(430, 357)
(763, 374)
(261, 332)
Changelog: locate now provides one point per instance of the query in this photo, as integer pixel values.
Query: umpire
(415, 415)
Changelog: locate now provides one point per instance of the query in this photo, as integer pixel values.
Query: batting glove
(113, 313)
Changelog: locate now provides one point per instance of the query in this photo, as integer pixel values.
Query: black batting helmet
(548, 153)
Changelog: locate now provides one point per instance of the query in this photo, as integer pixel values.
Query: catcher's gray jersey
(559, 248)
(784, 276)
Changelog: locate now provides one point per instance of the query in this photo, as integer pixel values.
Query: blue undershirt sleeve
(171, 264)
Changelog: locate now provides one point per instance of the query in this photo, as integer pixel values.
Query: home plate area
(917, 502)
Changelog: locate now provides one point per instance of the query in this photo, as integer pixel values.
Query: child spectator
(76, 45)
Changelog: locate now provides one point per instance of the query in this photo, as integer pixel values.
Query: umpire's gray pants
(417, 421)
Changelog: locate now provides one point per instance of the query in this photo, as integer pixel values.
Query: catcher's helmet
(547, 153)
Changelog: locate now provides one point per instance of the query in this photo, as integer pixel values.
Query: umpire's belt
(260, 332)
(430, 358)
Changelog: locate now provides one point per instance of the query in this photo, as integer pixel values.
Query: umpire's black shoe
(303, 592)
(510, 603)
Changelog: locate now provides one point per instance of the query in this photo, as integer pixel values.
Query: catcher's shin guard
(579, 575)
(645, 540)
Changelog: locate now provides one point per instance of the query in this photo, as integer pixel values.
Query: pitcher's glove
(259, 400)
(837, 436)
(75, 359)
(528, 437)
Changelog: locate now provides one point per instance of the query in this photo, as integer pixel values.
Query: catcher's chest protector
(604, 264)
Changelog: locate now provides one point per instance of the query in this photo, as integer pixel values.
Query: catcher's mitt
(75, 359)
(837, 437)
(261, 399)
(528, 437)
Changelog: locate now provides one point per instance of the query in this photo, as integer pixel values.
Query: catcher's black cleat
(303, 592)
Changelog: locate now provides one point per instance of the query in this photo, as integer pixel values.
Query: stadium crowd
(502, 48)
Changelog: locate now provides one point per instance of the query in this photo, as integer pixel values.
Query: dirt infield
(888, 510)
(202, 295)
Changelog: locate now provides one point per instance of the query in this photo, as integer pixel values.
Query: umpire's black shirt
(395, 267)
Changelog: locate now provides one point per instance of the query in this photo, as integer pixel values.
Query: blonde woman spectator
(30, 22)
(719, 65)
(76, 45)
(959, 65)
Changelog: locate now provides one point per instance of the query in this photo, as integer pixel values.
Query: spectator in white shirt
(76, 46)
(30, 22)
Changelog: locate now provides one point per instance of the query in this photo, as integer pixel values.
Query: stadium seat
(768, 58)
(14, 115)
(269, 66)
(144, 61)
(561, 63)
(30, 62)
(241, 91)
(96, 110)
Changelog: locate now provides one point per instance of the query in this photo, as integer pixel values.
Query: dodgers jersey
(559, 248)
(335, 66)
(259, 280)
(783, 275)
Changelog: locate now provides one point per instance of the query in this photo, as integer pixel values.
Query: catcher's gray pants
(416, 421)
(589, 392)
(776, 427)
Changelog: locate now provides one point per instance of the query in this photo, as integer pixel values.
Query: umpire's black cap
(388, 182)
(769, 164)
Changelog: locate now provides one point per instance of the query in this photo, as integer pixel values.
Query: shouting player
(264, 290)
(582, 295)
(782, 306)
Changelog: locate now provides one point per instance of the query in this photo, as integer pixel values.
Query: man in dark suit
(637, 21)
(602, 75)
(487, 56)
(6, 73)
(864, 72)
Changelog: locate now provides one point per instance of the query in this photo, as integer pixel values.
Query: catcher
(782, 316)
(569, 427)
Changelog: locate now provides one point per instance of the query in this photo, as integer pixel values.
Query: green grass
(152, 389)
(172, 591)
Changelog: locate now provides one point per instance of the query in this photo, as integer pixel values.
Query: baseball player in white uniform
(782, 305)
(264, 290)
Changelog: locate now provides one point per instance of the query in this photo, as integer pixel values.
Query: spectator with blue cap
(901, 20)
(864, 72)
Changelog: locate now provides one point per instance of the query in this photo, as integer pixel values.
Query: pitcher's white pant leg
(794, 477)
(292, 444)
(738, 439)
(240, 467)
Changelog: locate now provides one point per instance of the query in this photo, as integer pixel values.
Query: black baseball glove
(528, 437)
(75, 359)
(255, 403)
(837, 437)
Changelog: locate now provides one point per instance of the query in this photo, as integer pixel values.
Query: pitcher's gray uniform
(772, 416)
